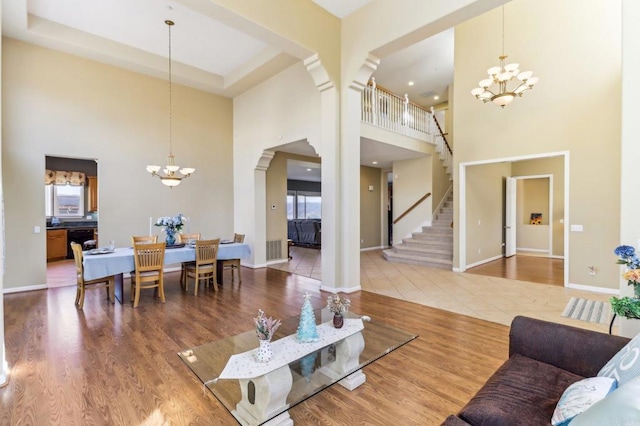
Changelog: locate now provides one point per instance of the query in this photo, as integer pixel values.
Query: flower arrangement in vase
(628, 307)
(171, 225)
(339, 306)
(265, 329)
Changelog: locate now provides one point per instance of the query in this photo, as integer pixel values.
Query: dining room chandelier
(172, 174)
(495, 88)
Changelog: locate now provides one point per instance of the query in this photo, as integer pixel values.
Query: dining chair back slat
(149, 264)
(82, 284)
(234, 264)
(144, 239)
(205, 264)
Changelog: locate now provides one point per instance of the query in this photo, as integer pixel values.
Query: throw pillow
(580, 396)
(625, 365)
(620, 408)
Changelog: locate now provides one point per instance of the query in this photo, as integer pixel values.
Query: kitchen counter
(88, 224)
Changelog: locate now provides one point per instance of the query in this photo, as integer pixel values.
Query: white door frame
(510, 225)
(550, 177)
(462, 209)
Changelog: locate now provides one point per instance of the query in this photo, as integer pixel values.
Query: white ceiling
(341, 8)
(211, 49)
(429, 64)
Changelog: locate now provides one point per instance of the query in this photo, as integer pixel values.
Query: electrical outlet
(479, 251)
(592, 270)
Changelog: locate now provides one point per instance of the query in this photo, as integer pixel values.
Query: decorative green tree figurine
(307, 328)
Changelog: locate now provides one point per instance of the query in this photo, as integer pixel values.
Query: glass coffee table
(262, 393)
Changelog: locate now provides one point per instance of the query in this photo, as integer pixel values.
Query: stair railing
(391, 112)
(407, 211)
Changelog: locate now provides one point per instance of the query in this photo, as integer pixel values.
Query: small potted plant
(628, 307)
(339, 306)
(265, 329)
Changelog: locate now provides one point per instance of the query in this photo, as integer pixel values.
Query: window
(64, 200)
(304, 205)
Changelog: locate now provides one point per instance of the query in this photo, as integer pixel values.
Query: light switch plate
(576, 228)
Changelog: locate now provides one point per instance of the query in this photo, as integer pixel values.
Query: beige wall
(411, 180)
(548, 36)
(61, 105)
(535, 193)
(370, 217)
(485, 211)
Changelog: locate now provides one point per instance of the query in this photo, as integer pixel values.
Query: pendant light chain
(172, 174)
(502, 30)
(170, 24)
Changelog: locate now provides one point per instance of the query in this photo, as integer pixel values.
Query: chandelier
(500, 76)
(171, 174)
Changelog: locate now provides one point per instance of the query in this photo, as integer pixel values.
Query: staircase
(432, 247)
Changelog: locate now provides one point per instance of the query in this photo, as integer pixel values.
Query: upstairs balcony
(391, 112)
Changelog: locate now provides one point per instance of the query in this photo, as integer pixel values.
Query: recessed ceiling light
(374, 162)
(308, 170)
(411, 83)
(436, 97)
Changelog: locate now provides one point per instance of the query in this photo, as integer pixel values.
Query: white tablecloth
(121, 261)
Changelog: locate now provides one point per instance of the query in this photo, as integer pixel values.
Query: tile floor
(489, 298)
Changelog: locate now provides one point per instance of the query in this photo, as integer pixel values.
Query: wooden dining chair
(149, 261)
(144, 239)
(233, 264)
(184, 239)
(108, 282)
(204, 267)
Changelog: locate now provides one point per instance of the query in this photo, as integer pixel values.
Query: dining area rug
(588, 310)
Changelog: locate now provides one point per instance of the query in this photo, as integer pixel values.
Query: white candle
(150, 225)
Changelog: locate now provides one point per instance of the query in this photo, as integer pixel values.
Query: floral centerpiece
(171, 225)
(628, 306)
(265, 329)
(338, 305)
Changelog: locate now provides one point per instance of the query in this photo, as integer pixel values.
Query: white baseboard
(531, 250)
(275, 262)
(254, 266)
(372, 248)
(593, 289)
(25, 288)
(340, 289)
(482, 262)
(458, 270)
(555, 256)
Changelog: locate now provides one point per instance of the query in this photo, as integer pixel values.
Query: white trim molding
(24, 288)
(605, 290)
(482, 262)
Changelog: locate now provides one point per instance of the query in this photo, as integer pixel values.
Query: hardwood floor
(115, 365)
(534, 269)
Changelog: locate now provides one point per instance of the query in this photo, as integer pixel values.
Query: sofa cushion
(521, 392)
(625, 365)
(580, 396)
(620, 408)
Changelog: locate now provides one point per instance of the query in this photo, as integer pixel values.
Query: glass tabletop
(301, 378)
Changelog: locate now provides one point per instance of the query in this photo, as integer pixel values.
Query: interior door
(510, 218)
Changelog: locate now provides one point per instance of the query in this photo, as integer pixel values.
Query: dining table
(101, 263)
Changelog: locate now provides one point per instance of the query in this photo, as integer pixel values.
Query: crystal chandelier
(171, 174)
(500, 76)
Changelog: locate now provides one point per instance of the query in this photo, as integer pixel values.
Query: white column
(350, 174)
(630, 149)
(330, 155)
(4, 370)
(259, 252)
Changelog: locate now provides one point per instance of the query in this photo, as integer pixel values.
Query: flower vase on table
(265, 329)
(171, 225)
(339, 306)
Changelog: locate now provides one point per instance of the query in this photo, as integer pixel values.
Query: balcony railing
(391, 112)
